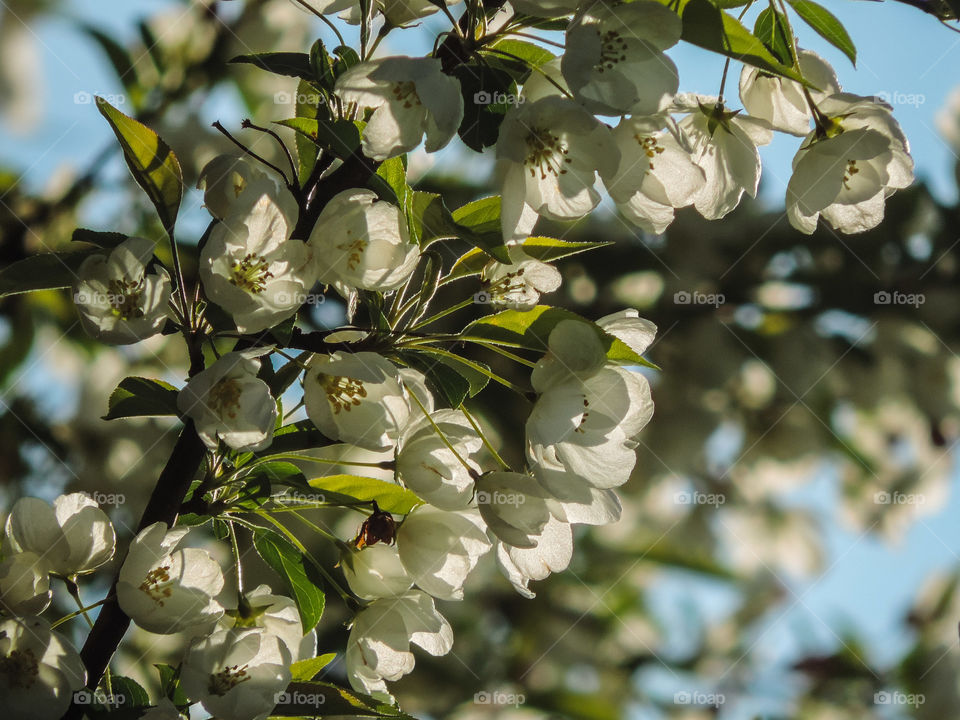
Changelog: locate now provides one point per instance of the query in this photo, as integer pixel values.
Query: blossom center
(583, 418)
(250, 273)
(125, 298)
(354, 249)
(405, 93)
(224, 681)
(342, 392)
(21, 668)
(849, 172)
(224, 397)
(546, 152)
(651, 148)
(157, 584)
(613, 50)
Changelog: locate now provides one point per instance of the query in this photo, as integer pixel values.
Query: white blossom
(277, 615)
(427, 465)
(228, 401)
(724, 145)
(378, 648)
(250, 266)
(552, 553)
(24, 585)
(440, 548)
(548, 153)
(656, 173)
(847, 168)
(120, 301)
(781, 101)
(614, 61)
(375, 572)
(519, 284)
(236, 674)
(165, 588)
(71, 537)
(514, 507)
(39, 670)
(163, 710)
(410, 96)
(358, 398)
(635, 332)
(226, 181)
(362, 242)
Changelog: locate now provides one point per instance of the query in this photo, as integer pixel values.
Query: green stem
(442, 314)
(483, 436)
(82, 611)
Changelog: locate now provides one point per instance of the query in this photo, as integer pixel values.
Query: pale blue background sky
(902, 52)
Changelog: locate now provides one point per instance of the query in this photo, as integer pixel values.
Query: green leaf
(709, 27)
(142, 397)
(530, 329)
(307, 106)
(277, 472)
(306, 670)
(545, 249)
(826, 24)
(105, 240)
(531, 56)
(482, 219)
(487, 92)
(341, 137)
(771, 29)
(291, 64)
(45, 271)
(390, 181)
(288, 562)
(315, 699)
(126, 700)
(455, 377)
(152, 162)
(295, 437)
(170, 684)
(429, 282)
(389, 496)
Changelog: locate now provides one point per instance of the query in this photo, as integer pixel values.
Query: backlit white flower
(236, 674)
(724, 145)
(847, 168)
(120, 301)
(514, 506)
(614, 61)
(426, 465)
(277, 615)
(410, 96)
(39, 670)
(552, 553)
(581, 429)
(656, 173)
(362, 242)
(518, 285)
(378, 648)
(24, 585)
(635, 332)
(163, 710)
(71, 537)
(250, 266)
(375, 572)
(166, 589)
(548, 154)
(225, 181)
(357, 398)
(781, 101)
(440, 548)
(227, 401)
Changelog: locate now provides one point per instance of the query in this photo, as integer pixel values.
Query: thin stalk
(236, 556)
(483, 437)
(251, 153)
(82, 611)
(439, 432)
(442, 314)
(283, 146)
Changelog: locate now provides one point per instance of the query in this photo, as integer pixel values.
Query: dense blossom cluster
(653, 149)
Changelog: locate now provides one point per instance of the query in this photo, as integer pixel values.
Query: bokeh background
(789, 546)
